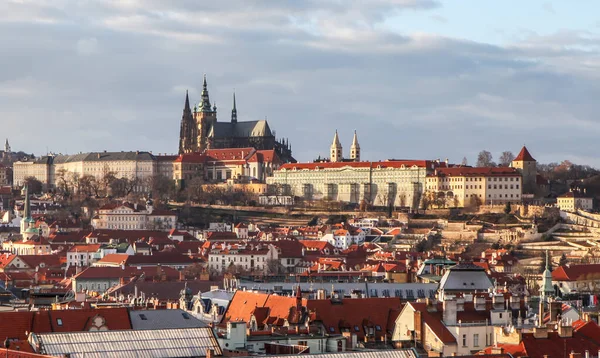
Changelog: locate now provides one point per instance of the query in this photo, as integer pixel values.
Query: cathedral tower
(7, 147)
(336, 149)
(187, 132)
(355, 149)
(205, 117)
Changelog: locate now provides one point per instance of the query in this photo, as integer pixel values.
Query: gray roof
(397, 353)
(240, 129)
(163, 319)
(103, 156)
(466, 277)
(372, 289)
(189, 342)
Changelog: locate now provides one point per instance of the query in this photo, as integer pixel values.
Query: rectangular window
(464, 340)
(476, 340)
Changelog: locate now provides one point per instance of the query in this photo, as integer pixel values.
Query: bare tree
(485, 159)
(464, 162)
(506, 158)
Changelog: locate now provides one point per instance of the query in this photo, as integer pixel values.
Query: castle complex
(200, 130)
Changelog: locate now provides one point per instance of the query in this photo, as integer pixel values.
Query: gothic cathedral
(200, 130)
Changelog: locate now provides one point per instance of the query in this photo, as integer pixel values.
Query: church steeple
(204, 105)
(186, 133)
(7, 147)
(234, 111)
(355, 149)
(336, 149)
(546, 290)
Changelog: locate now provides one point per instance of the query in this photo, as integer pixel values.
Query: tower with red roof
(527, 165)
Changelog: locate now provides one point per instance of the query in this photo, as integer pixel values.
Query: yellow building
(575, 200)
(464, 186)
(391, 182)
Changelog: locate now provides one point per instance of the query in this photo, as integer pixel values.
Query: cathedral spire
(234, 111)
(186, 134)
(204, 105)
(6, 147)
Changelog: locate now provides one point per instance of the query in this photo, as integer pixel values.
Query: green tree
(507, 208)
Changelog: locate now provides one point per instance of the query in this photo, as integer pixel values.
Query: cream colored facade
(49, 169)
(39, 169)
(573, 201)
(398, 183)
(462, 185)
(129, 216)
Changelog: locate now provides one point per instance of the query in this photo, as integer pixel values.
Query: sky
(417, 79)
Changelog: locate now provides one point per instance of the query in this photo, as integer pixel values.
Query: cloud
(548, 7)
(87, 47)
(309, 66)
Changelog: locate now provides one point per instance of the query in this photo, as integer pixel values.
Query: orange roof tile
(524, 156)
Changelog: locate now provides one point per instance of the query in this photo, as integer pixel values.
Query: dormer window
(59, 322)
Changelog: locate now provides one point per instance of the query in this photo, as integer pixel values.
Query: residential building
(133, 216)
(456, 326)
(465, 186)
(575, 279)
(249, 257)
(575, 200)
(343, 238)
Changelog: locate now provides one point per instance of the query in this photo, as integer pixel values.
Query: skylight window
(59, 322)
(143, 317)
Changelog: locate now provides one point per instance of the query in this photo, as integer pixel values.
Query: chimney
(210, 353)
(574, 355)
(498, 301)
(497, 350)
(565, 330)
(479, 303)
(460, 304)
(540, 332)
(587, 353)
(449, 314)
(515, 302)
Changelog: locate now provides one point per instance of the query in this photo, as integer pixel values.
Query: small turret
(355, 149)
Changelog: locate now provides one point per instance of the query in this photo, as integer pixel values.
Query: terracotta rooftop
(524, 156)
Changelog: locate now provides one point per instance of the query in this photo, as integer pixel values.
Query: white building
(344, 238)
(50, 169)
(131, 216)
(247, 257)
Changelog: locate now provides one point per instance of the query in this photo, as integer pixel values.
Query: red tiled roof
(85, 248)
(576, 272)
(191, 158)
(477, 171)
(353, 312)
(524, 156)
(38, 260)
(374, 165)
(16, 324)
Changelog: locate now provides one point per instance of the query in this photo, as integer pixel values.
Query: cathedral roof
(240, 129)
